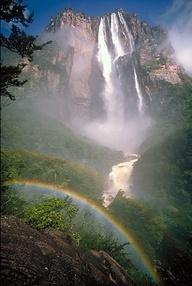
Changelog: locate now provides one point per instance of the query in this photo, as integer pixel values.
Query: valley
(96, 161)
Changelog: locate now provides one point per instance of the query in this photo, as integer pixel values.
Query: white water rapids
(121, 173)
(118, 130)
(119, 180)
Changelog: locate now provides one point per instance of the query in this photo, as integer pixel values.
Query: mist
(121, 126)
(178, 20)
(71, 51)
(126, 137)
(87, 215)
(121, 129)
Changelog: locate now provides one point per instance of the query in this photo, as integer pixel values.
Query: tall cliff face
(141, 59)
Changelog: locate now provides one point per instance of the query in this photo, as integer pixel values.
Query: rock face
(29, 257)
(69, 67)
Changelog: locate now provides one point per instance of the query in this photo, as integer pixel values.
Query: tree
(12, 203)
(175, 261)
(52, 213)
(14, 12)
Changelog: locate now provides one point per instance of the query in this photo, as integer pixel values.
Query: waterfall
(112, 103)
(105, 60)
(127, 33)
(139, 94)
(115, 36)
(119, 180)
(116, 130)
(131, 49)
(104, 56)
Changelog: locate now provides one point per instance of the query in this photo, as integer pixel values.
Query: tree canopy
(14, 14)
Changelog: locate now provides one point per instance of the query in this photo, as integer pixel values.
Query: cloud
(178, 20)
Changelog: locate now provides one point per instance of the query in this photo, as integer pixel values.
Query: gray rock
(29, 257)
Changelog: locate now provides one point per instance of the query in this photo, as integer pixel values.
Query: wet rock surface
(67, 77)
(29, 257)
(68, 68)
(153, 49)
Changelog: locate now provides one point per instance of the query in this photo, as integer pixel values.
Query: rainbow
(101, 210)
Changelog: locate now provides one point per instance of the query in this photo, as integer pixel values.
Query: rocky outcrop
(68, 17)
(29, 257)
(155, 54)
(69, 69)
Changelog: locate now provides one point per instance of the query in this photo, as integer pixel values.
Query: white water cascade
(127, 33)
(119, 180)
(104, 56)
(119, 51)
(139, 94)
(115, 41)
(107, 61)
(131, 49)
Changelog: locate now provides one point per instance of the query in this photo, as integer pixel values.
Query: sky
(148, 10)
(178, 21)
(174, 15)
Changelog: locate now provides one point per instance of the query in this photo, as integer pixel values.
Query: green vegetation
(177, 108)
(11, 203)
(163, 179)
(160, 216)
(29, 165)
(169, 166)
(14, 12)
(51, 213)
(171, 109)
(23, 128)
(47, 212)
(95, 236)
(144, 223)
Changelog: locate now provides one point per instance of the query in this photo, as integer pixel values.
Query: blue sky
(148, 10)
